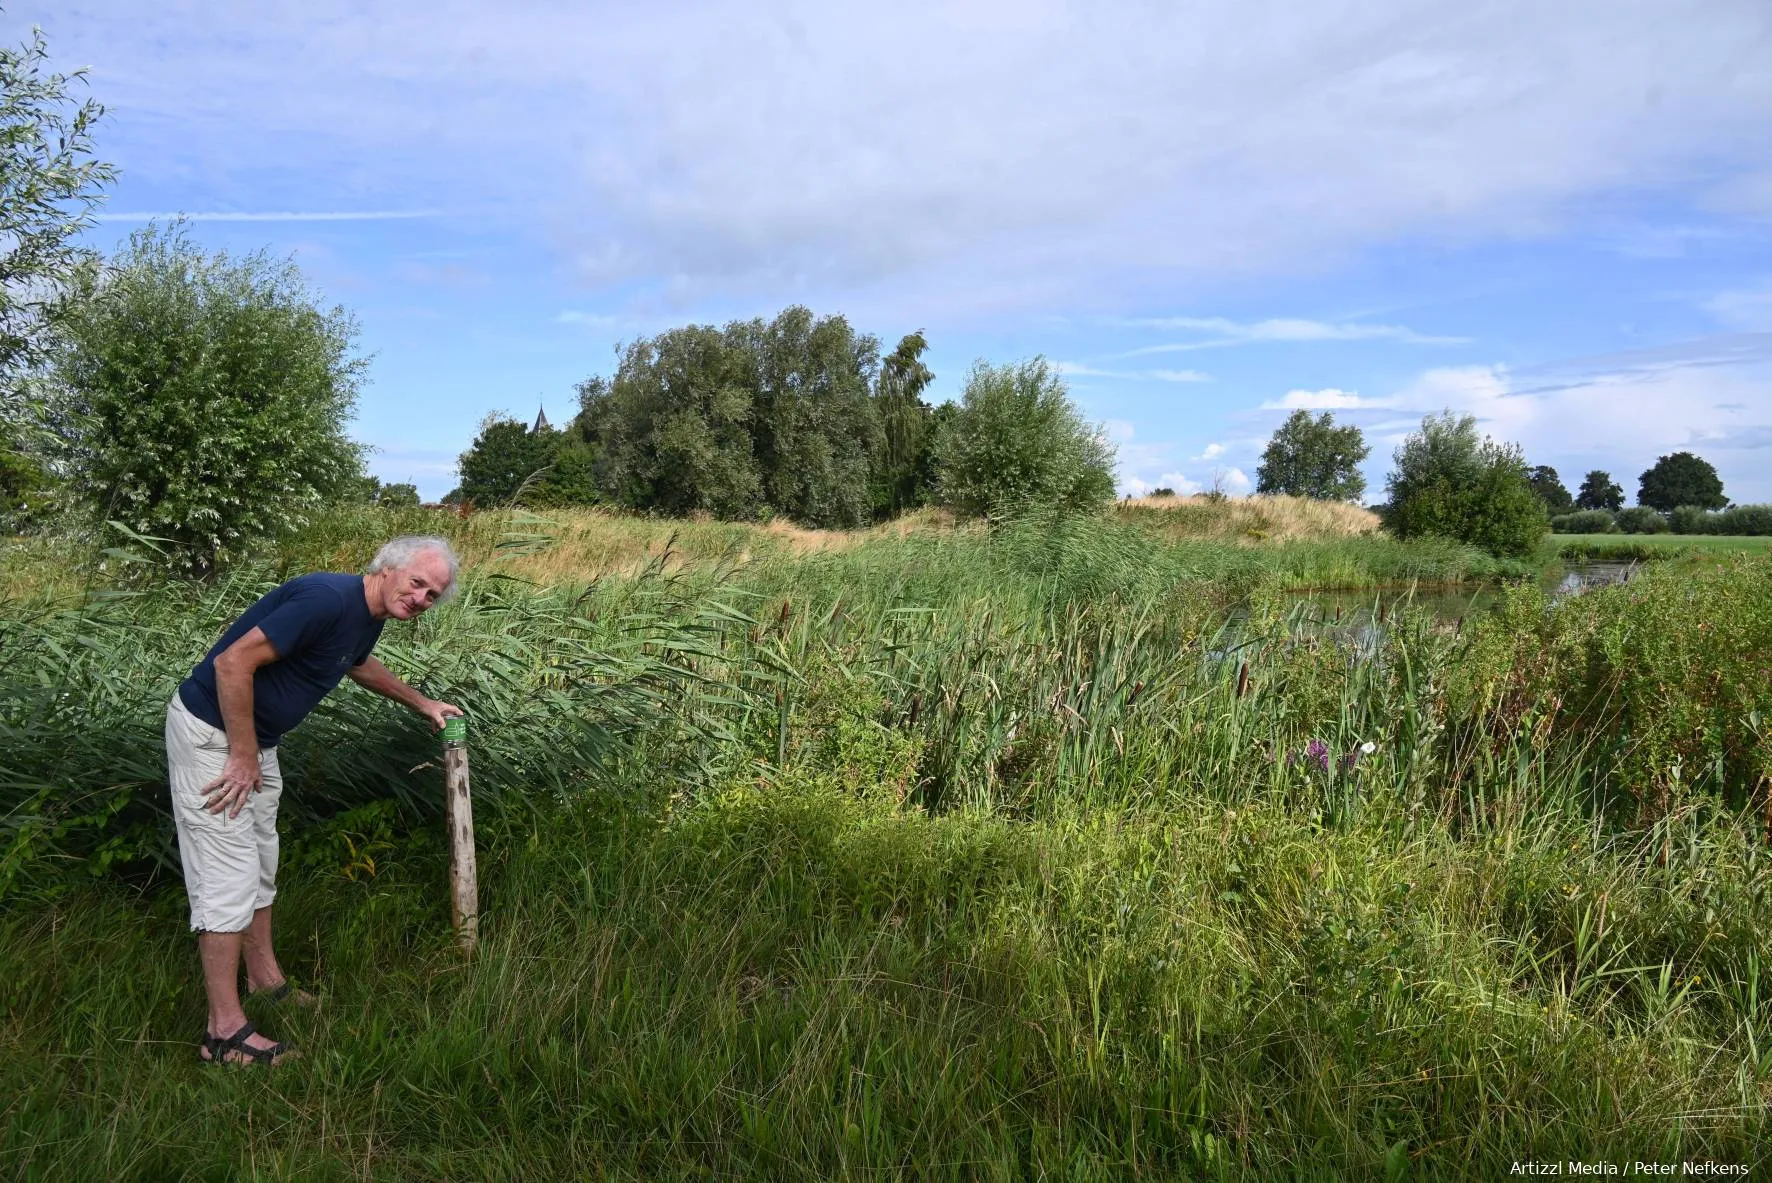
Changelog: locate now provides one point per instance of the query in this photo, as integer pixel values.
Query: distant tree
(204, 398)
(1450, 482)
(367, 489)
(1017, 441)
(902, 471)
(673, 428)
(1599, 491)
(1309, 457)
(398, 495)
(1162, 492)
(1550, 490)
(1681, 479)
(504, 459)
(814, 426)
(571, 475)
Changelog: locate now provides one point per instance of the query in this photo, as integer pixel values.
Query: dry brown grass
(1248, 519)
(589, 543)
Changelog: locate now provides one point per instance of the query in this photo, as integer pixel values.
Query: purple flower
(1319, 751)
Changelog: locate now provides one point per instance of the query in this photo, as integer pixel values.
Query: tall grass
(935, 855)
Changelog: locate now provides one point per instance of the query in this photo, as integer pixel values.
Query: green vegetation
(1739, 519)
(1450, 482)
(796, 416)
(1309, 457)
(1017, 442)
(1600, 491)
(1586, 521)
(1640, 519)
(204, 399)
(1651, 546)
(1681, 479)
(955, 853)
(1549, 487)
(50, 187)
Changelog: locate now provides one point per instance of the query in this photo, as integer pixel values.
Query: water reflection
(1358, 620)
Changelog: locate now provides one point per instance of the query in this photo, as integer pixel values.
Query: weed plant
(1041, 852)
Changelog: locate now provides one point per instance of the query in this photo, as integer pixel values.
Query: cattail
(1242, 679)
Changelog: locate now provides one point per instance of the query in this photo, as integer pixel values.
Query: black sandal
(218, 1048)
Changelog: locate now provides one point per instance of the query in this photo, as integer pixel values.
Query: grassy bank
(934, 854)
(1654, 547)
(1303, 543)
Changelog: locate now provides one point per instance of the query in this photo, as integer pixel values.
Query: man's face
(413, 588)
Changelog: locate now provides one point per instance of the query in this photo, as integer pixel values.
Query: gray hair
(399, 552)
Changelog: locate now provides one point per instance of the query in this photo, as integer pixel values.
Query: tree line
(802, 417)
(1450, 480)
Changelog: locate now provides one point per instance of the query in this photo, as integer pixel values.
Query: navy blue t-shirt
(320, 627)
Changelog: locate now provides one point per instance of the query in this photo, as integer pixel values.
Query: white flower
(1368, 748)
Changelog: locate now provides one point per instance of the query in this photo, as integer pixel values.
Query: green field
(1603, 544)
(1051, 851)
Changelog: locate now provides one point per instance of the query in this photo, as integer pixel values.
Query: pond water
(1358, 617)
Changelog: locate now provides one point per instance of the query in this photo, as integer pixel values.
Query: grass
(1653, 547)
(934, 854)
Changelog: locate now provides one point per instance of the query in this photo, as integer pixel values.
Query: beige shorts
(230, 863)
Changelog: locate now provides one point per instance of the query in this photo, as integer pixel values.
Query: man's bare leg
(262, 970)
(221, 981)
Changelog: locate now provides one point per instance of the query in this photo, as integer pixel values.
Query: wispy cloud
(1051, 141)
(1226, 332)
(1078, 370)
(1329, 399)
(378, 215)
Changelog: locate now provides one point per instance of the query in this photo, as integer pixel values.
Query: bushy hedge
(1585, 521)
(1740, 520)
(1640, 519)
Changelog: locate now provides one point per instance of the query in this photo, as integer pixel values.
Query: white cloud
(271, 216)
(1078, 370)
(1212, 451)
(1750, 309)
(1227, 332)
(1329, 399)
(1035, 147)
(1619, 419)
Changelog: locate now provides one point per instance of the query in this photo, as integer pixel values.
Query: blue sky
(1555, 217)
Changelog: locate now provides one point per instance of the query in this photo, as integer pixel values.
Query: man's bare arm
(234, 668)
(373, 675)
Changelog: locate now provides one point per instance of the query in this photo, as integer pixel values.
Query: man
(270, 669)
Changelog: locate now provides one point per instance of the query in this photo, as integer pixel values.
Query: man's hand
(240, 779)
(436, 712)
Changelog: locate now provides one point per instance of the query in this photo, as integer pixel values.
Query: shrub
(1640, 519)
(1690, 519)
(1585, 521)
(206, 397)
(1452, 483)
(1740, 520)
(1018, 441)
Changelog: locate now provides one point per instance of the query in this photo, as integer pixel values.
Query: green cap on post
(455, 729)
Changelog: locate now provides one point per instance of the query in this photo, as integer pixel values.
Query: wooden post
(464, 904)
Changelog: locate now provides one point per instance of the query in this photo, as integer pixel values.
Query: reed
(936, 854)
